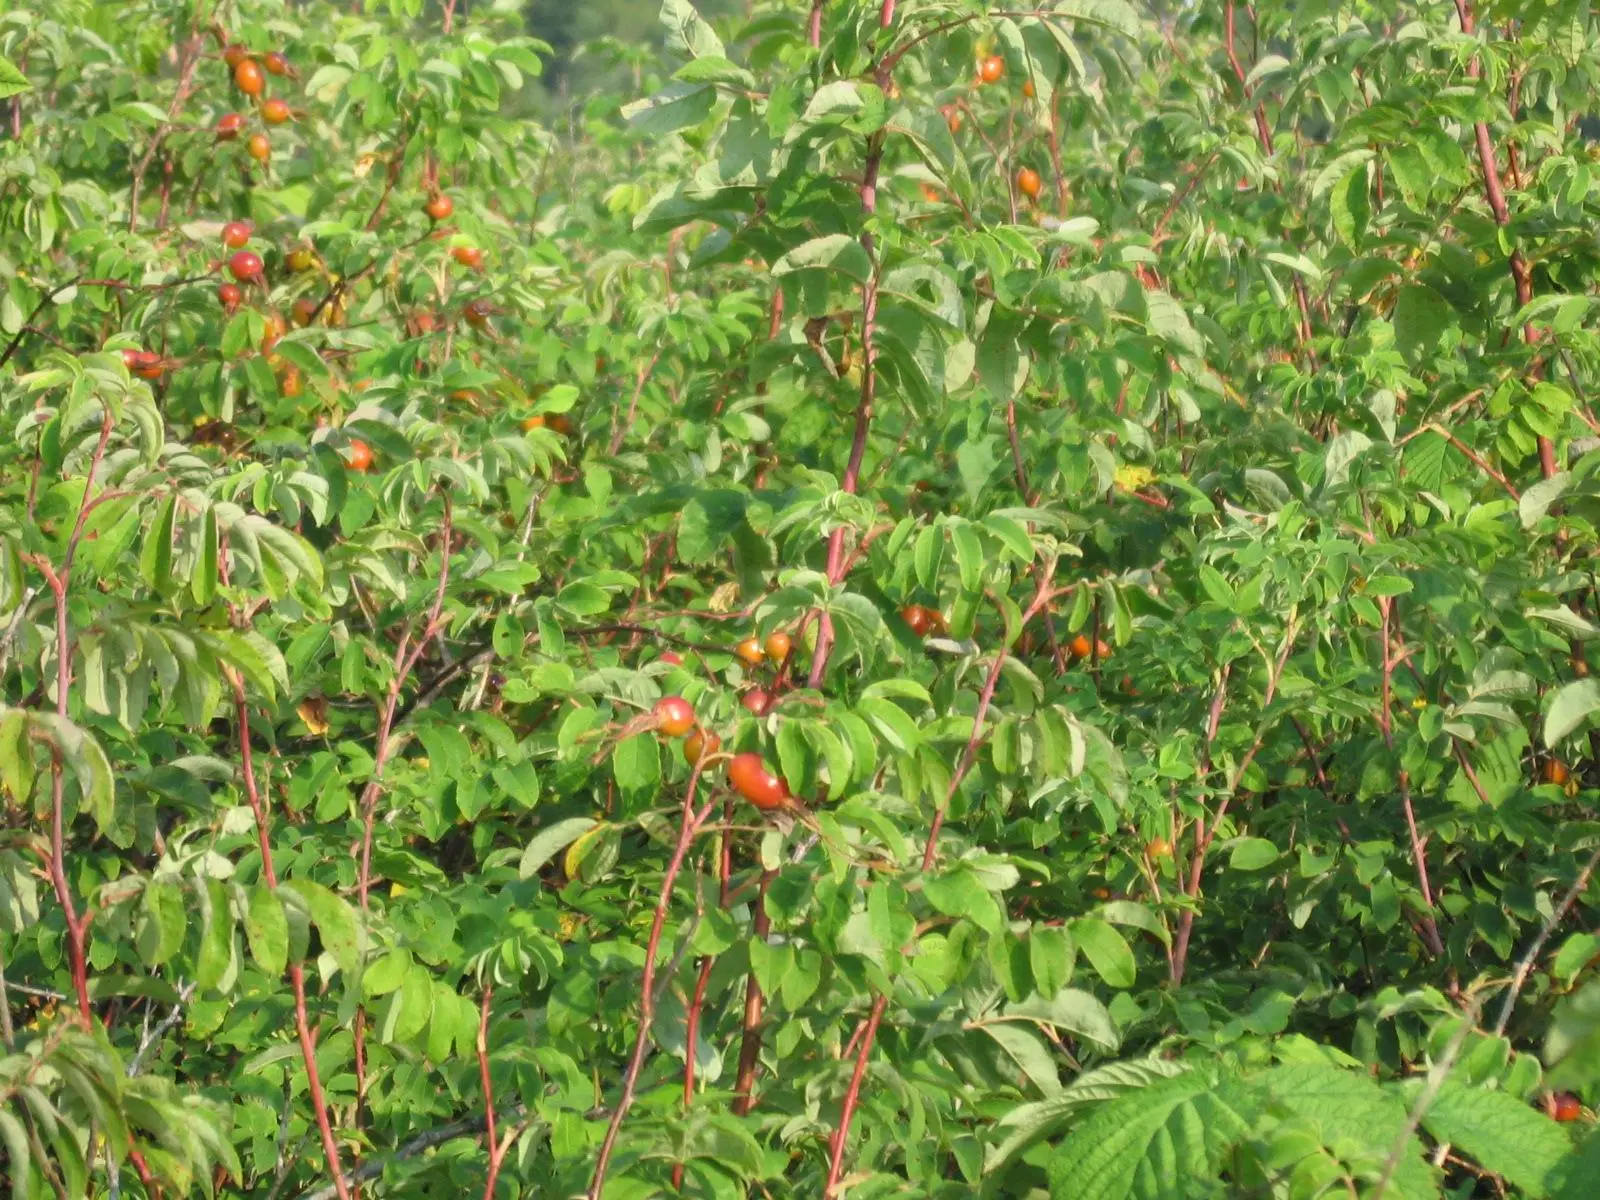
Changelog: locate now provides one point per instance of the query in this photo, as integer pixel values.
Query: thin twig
(1524, 966)
(374, 1167)
(1430, 1091)
(691, 821)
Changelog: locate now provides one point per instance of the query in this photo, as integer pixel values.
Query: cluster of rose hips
(991, 69)
(250, 77)
(747, 773)
(247, 268)
(774, 651)
(1081, 648)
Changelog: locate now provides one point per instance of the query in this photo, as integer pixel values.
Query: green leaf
(1165, 1140)
(267, 930)
(1349, 1110)
(19, 1157)
(205, 578)
(1073, 1011)
(834, 252)
(687, 32)
(1028, 1124)
(547, 843)
(1506, 1136)
(1421, 315)
(163, 920)
(155, 559)
(636, 763)
(16, 754)
(1106, 949)
(1572, 1044)
(335, 920)
(1029, 1052)
(215, 956)
(12, 81)
(1570, 707)
(1252, 854)
(958, 893)
(1578, 1178)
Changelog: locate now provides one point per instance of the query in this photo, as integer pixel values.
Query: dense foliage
(1113, 494)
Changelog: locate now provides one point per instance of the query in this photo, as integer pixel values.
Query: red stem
(852, 1095)
(1521, 274)
(1264, 137)
(754, 1004)
(59, 580)
(697, 1005)
(497, 1151)
(691, 823)
(868, 1033)
(405, 661)
(1430, 928)
(297, 975)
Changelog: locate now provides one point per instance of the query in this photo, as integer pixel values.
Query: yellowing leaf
(1130, 478)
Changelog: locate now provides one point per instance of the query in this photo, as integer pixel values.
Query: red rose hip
(246, 266)
(750, 778)
(674, 716)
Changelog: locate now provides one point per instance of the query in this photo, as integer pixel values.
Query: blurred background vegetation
(568, 24)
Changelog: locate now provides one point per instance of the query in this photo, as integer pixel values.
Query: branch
(16, 340)
(297, 974)
(190, 60)
(869, 361)
(867, 1034)
(153, 1036)
(744, 1089)
(1494, 193)
(1264, 137)
(1525, 964)
(1436, 1077)
(1419, 846)
(691, 823)
(372, 1168)
(852, 1095)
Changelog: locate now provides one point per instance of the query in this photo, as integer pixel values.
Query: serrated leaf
(834, 252)
(1165, 1140)
(335, 920)
(1506, 1136)
(267, 930)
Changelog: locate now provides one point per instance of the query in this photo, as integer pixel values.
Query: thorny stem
(1419, 845)
(754, 1004)
(1494, 193)
(1264, 137)
(1524, 967)
(59, 580)
(191, 59)
(626, 424)
(496, 1146)
(868, 1033)
(1204, 833)
(691, 821)
(297, 974)
(852, 1095)
(405, 661)
(869, 361)
(691, 1033)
